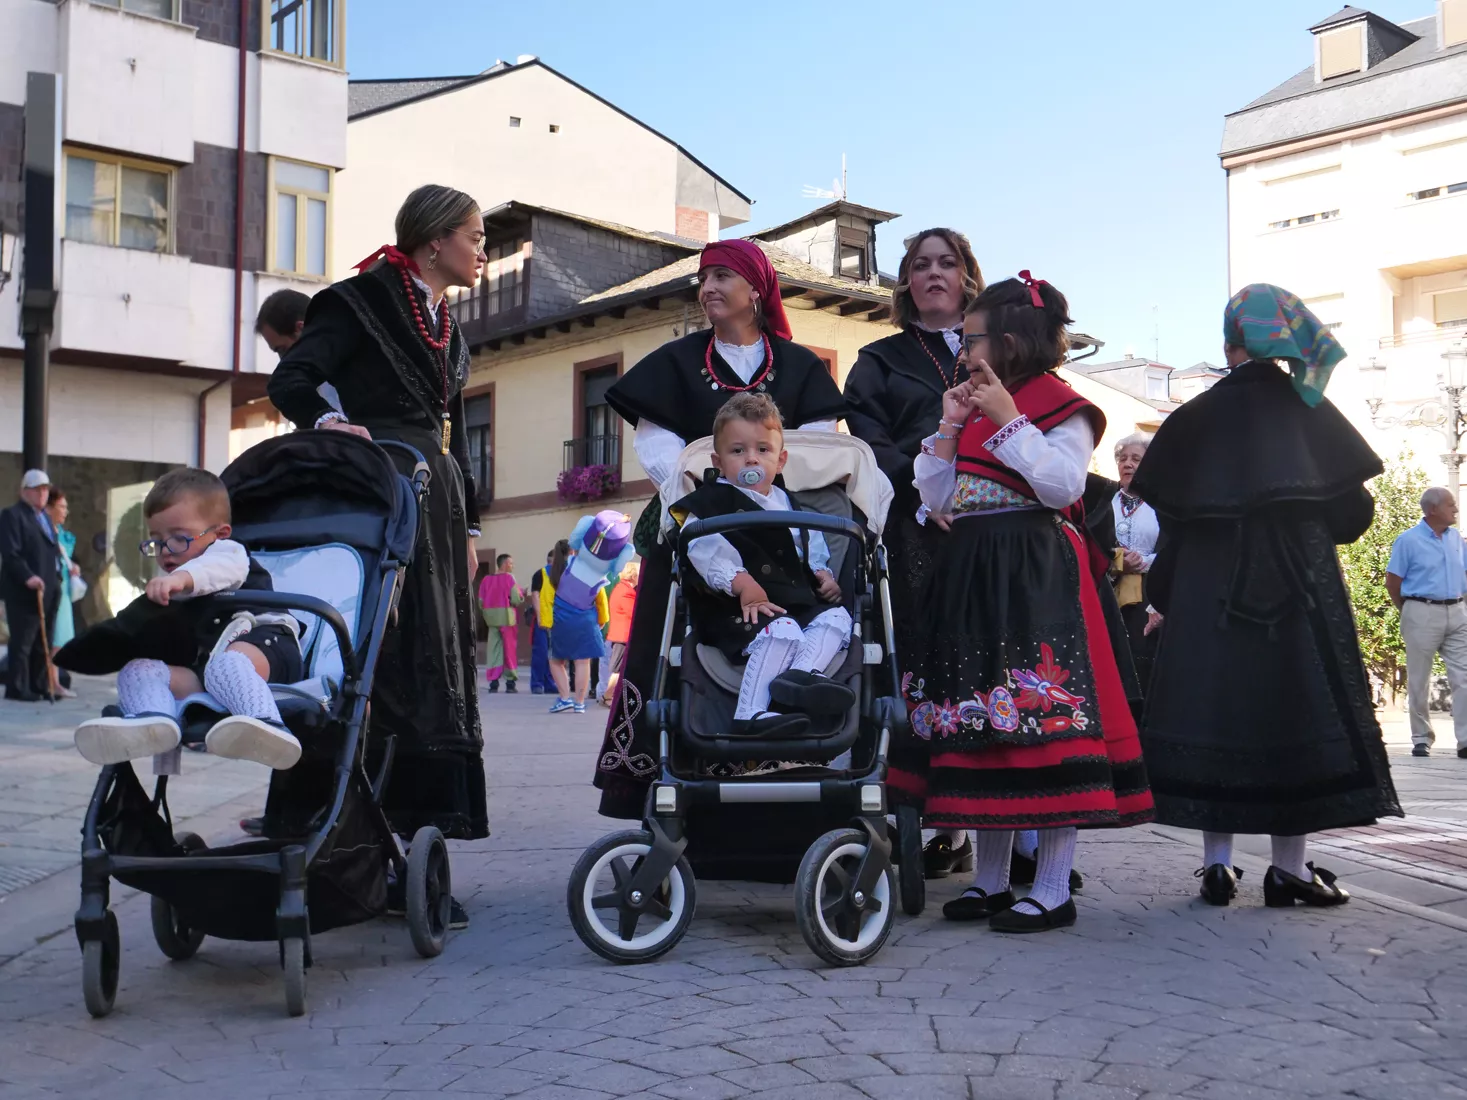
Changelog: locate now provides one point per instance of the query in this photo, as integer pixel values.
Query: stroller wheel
(174, 937)
(293, 962)
(841, 927)
(910, 870)
(429, 891)
(101, 962)
(610, 921)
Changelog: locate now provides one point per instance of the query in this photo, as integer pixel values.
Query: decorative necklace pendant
(713, 385)
(447, 432)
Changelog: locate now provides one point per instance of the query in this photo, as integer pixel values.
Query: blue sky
(1076, 139)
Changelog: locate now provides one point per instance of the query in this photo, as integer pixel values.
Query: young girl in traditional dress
(1022, 700)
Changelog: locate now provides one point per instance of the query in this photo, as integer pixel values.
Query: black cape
(669, 389)
(1259, 716)
(360, 337)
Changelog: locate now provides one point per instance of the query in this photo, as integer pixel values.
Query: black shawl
(668, 388)
(361, 338)
(1248, 442)
(895, 393)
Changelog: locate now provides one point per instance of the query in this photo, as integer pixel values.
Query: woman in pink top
(498, 597)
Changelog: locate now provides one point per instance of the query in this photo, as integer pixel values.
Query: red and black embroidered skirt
(1020, 700)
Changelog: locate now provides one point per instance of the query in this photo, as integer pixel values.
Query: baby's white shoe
(116, 740)
(239, 737)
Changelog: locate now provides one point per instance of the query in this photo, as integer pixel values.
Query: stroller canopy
(312, 487)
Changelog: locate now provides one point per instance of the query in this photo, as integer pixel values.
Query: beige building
(1347, 184)
(533, 135)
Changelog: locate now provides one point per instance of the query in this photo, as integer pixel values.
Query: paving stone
(843, 1067)
(776, 1075)
(917, 1086)
(701, 1087)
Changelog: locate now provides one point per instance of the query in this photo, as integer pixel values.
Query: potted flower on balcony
(582, 483)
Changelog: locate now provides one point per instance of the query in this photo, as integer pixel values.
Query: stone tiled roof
(789, 269)
(650, 235)
(1415, 78)
(364, 96)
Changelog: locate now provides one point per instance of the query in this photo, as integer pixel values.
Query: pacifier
(750, 476)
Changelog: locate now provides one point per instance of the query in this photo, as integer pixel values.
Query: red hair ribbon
(393, 255)
(1033, 284)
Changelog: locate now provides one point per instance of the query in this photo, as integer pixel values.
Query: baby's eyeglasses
(173, 544)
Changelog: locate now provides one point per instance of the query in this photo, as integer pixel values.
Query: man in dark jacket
(29, 564)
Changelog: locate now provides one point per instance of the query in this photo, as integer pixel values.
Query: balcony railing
(593, 450)
(1447, 335)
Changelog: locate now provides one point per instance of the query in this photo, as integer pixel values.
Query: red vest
(1047, 402)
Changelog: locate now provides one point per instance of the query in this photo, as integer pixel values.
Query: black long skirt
(1252, 728)
(425, 692)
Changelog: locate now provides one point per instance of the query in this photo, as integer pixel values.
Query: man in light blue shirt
(1427, 581)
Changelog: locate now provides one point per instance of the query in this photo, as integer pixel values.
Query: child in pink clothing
(498, 597)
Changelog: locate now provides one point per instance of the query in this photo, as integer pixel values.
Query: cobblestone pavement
(1152, 994)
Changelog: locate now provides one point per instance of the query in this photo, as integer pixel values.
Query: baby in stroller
(765, 594)
(188, 516)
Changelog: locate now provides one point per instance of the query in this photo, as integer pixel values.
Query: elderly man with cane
(1427, 583)
(30, 584)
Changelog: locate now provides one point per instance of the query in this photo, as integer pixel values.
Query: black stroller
(820, 824)
(334, 522)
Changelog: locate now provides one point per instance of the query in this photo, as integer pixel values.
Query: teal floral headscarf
(1271, 323)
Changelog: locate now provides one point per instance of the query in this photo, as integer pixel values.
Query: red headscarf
(747, 260)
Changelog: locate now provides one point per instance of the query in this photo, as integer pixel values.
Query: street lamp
(1452, 381)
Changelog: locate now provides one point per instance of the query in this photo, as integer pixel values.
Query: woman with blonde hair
(387, 343)
(895, 394)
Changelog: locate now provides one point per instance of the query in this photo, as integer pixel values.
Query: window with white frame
(300, 209)
(310, 29)
(119, 201)
(1156, 386)
(159, 9)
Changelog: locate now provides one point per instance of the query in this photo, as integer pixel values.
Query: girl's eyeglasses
(970, 340)
(174, 544)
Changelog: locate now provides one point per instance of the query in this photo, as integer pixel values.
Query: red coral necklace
(439, 346)
(757, 382)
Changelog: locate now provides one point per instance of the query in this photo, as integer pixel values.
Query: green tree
(1397, 495)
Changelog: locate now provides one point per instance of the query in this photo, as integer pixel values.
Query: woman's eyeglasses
(476, 238)
(174, 544)
(970, 340)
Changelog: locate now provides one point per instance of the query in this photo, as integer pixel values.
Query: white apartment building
(154, 328)
(1347, 184)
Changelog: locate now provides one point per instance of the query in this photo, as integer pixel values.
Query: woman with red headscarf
(671, 398)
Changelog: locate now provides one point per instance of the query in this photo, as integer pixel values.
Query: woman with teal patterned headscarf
(1267, 322)
(1259, 717)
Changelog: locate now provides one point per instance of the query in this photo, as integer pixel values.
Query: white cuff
(1007, 432)
(329, 417)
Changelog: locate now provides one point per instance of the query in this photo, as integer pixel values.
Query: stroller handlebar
(290, 601)
(810, 521)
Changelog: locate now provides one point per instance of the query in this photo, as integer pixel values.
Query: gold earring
(433, 260)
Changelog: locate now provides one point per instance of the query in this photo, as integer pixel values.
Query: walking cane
(46, 646)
